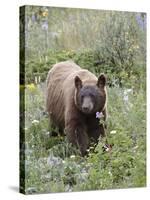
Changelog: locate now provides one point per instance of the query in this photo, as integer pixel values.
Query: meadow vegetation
(101, 41)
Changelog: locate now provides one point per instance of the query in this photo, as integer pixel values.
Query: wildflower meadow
(109, 42)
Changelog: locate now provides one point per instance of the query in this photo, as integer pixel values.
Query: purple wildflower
(99, 115)
(33, 18)
(141, 20)
(45, 26)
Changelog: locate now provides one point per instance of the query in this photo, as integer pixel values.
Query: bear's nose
(85, 108)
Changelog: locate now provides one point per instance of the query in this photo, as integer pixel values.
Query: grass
(53, 165)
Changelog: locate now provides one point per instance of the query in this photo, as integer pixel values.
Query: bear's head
(90, 98)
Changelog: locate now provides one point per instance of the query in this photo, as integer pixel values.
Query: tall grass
(52, 165)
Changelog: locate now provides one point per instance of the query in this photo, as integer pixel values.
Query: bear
(73, 98)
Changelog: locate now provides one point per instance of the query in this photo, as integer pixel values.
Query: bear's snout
(87, 105)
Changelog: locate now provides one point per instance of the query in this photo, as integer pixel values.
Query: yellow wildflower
(31, 87)
(45, 13)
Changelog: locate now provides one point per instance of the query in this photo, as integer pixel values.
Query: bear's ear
(101, 81)
(78, 82)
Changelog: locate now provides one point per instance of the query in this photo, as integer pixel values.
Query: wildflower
(130, 49)
(126, 98)
(99, 115)
(45, 26)
(135, 46)
(35, 122)
(47, 133)
(91, 147)
(31, 87)
(45, 13)
(33, 18)
(72, 156)
(110, 173)
(113, 132)
(107, 147)
(126, 95)
(141, 20)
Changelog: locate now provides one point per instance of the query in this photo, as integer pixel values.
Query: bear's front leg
(76, 132)
(96, 127)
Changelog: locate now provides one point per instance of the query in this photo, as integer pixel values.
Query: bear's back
(61, 87)
(55, 92)
(61, 71)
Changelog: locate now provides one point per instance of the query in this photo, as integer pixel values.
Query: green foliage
(120, 167)
(53, 165)
(101, 41)
(123, 46)
(87, 59)
(107, 42)
(40, 66)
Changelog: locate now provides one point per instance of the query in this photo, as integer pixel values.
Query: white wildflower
(72, 156)
(110, 173)
(113, 132)
(126, 94)
(35, 121)
(47, 133)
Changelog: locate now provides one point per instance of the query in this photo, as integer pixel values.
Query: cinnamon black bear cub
(74, 97)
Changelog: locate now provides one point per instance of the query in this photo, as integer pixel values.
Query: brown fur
(62, 108)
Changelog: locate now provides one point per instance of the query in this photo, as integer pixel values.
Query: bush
(115, 43)
(88, 59)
